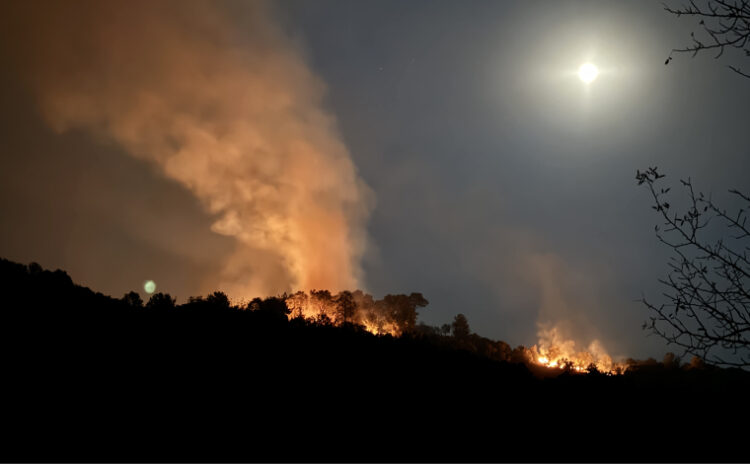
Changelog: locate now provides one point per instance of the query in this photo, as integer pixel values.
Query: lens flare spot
(588, 72)
(149, 286)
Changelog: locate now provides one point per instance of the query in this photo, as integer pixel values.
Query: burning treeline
(393, 315)
(396, 315)
(554, 351)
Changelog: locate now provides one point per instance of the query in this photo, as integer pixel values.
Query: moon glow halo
(588, 72)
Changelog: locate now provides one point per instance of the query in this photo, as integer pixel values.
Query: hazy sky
(500, 185)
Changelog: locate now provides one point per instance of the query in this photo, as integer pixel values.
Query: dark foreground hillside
(90, 378)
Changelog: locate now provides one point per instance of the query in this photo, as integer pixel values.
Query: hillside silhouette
(89, 377)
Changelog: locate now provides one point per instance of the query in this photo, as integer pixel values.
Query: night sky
(450, 146)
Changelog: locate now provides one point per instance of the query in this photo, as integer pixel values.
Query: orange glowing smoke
(554, 351)
(221, 102)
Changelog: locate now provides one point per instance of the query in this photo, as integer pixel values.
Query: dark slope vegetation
(89, 377)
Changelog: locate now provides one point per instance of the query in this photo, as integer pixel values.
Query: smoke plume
(564, 303)
(232, 113)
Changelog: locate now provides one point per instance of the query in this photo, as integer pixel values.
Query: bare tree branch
(707, 312)
(726, 24)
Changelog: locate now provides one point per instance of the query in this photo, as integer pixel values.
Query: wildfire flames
(390, 316)
(396, 314)
(556, 352)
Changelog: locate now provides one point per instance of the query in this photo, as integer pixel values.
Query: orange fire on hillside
(556, 352)
(396, 314)
(391, 315)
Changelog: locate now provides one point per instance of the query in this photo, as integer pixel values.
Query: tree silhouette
(345, 306)
(322, 299)
(275, 305)
(297, 303)
(591, 369)
(445, 329)
(708, 287)
(161, 301)
(133, 299)
(460, 326)
(671, 360)
(402, 309)
(726, 24)
(218, 300)
(415, 300)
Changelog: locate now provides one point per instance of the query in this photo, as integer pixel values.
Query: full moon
(588, 72)
(149, 286)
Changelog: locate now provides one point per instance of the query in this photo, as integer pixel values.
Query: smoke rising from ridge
(233, 114)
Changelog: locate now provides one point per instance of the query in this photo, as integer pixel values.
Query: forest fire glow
(391, 315)
(395, 315)
(556, 352)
